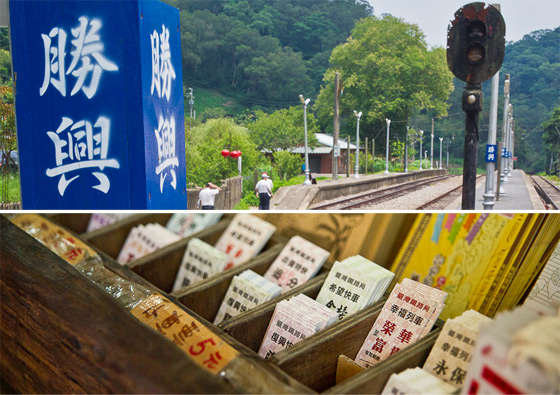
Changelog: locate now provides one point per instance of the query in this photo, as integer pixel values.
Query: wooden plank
(373, 380)
(313, 361)
(250, 328)
(111, 238)
(346, 368)
(62, 333)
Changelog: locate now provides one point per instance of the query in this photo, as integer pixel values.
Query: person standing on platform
(207, 196)
(263, 190)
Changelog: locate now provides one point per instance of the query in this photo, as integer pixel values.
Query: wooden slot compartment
(373, 380)
(313, 361)
(250, 328)
(161, 266)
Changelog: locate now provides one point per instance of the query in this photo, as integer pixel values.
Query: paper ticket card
(186, 224)
(410, 309)
(100, 220)
(416, 381)
(299, 261)
(245, 292)
(244, 238)
(200, 344)
(294, 320)
(451, 355)
(200, 261)
(354, 284)
(144, 239)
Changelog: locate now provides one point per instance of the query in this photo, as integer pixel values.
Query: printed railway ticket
(298, 261)
(409, 313)
(100, 220)
(188, 224)
(200, 261)
(244, 238)
(58, 240)
(203, 346)
(451, 355)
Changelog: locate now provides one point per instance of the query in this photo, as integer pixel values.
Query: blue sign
(504, 152)
(491, 152)
(99, 104)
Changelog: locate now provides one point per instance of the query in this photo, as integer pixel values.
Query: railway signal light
(476, 43)
(475, 52)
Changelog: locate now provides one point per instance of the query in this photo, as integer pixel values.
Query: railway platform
(520, 195)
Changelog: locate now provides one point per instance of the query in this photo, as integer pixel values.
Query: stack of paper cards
(99, 220)
(297, 262)
(245, 292)
(292, 321)
(244, 238)
(188, 224)
(354, 284)
(144, 239)
(409, 313)
(516, 353)
(451, 355)
(416, 381)
(200, 261)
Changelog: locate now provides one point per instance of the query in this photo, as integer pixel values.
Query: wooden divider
(373, 380)
(250, 328)
(77, 223)
(313, 361)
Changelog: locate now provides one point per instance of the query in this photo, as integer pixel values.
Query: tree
(203, 153)
(7, 125)
(386, 71)
(283, 129)
(551, 135)
(5, 68)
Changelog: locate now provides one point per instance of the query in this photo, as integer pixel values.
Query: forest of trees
(262, 54)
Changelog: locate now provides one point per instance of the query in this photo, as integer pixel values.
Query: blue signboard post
(99, 104)
(491, 152)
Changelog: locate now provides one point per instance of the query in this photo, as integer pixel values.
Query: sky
(433, 16)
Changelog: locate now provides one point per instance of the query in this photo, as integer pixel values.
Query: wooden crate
(62, 333)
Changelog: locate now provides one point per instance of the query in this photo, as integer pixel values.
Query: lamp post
(421, 137)
(406, 150)
(387, 150)
(357, 168)
(440, 152)
(305, 103)
(447, 151)
(432, 148)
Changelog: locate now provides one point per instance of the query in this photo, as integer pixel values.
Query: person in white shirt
(263, 190)
(207, 196)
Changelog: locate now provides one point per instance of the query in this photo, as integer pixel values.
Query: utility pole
(432, 148)
(336, 148)
(357, 167)
(190, 95)
(492, 128)
(421, 137)
(501, 190)
(440, 152)
(365, 149)
(305, 102)
(406, 150)
(387, 150)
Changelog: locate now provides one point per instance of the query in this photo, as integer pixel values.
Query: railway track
(442, 201)
(378, 196)
(549, 193)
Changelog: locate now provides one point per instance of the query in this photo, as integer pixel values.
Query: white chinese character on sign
(490, 157)
(79, 145)
(87, 44)
(54, 61)
(491, 149)
(163, 73)
(165, 136)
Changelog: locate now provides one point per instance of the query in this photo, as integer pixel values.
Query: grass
(208, 98)
(12, 180)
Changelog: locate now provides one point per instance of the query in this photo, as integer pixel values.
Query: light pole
(406, 151)
(447, 150)
(432, 148)
(387, 150)
(357, 168)
(440, 152)
(421, 137)
(502, 191)
(191, 100)
(305, 103)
